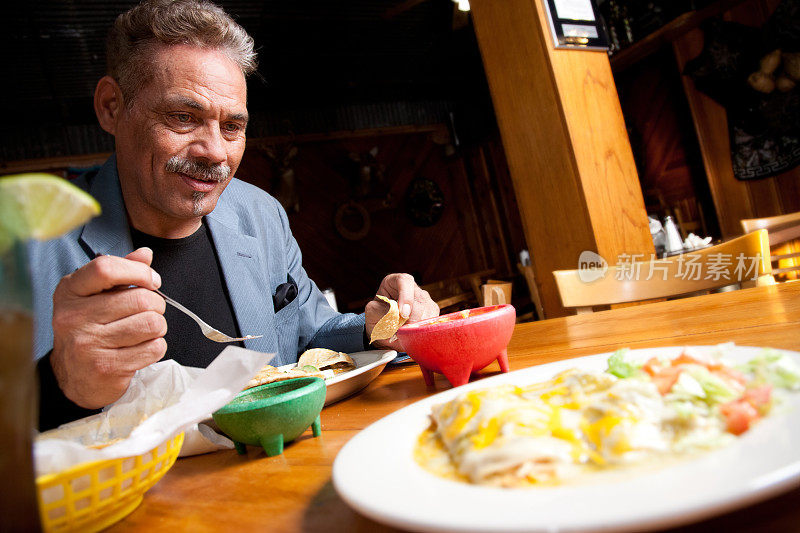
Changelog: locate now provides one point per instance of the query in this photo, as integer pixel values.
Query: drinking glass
(18, 507)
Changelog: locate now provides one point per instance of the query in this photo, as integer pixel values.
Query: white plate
(375, 473)
(368, 365)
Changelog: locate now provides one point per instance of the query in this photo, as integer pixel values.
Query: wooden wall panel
(733, 199)
(665, 144)
(472, 235)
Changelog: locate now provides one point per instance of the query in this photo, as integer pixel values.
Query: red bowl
(460, 343)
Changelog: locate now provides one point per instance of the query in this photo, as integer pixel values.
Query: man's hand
(415, 304)
(104, 331)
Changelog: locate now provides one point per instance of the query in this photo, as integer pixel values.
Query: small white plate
(368, 365)
(376, 474)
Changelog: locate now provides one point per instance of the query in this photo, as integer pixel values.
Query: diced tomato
(686, 359)
(652, 366)
(725, 372)
(666, 378)
(729, 373)
(739, 415)
(759, 397)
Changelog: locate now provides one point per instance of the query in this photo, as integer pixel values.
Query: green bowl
(273, 414)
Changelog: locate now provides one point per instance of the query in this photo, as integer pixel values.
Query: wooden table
(293, 491)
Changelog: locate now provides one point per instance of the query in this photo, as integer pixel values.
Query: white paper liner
(162, 400)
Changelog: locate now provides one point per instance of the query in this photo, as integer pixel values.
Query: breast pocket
(287, 323)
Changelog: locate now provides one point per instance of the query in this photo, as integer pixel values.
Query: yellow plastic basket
(92, 496)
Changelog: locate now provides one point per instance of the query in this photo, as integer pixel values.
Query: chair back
(458, 293)
(782, 228)
(784, 240)
(739, 260)
(533, 288)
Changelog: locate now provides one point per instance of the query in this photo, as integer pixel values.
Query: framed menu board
(575, 24)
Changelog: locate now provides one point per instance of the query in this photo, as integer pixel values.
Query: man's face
(181, 140)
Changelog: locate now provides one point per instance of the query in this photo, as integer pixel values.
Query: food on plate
(389, 323)
(582, 421)
(316, 362)
(269, 374)
(324, 359)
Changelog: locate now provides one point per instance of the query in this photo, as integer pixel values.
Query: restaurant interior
(497, 160)
(403, 135)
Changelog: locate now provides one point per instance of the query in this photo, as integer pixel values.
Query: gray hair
(139, 31)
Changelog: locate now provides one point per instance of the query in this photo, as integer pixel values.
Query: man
(174, 217)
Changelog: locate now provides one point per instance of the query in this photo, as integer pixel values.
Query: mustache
(198, 169)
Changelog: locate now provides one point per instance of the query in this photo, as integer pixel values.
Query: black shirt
(191, 274)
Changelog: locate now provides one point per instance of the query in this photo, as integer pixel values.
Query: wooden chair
(689, 217)
(533, 288)
(784, 241)
(739, 260)
(458, 293)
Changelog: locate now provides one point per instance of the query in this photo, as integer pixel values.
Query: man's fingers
(405, 293)
(424, 306)
(116, 304)
(142, 255)
(414, 303)
(133, 330)
(106, 272)
(133, 358)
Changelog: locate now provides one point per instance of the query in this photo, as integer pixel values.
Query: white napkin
(693, 242)
(162, 400)
(655, 225)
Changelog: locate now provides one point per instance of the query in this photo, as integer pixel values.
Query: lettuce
(688, 388)
(775, 368)
(684, 409)
(716, 389)
(618, 366)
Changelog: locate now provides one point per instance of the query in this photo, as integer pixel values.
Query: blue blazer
(256, 250)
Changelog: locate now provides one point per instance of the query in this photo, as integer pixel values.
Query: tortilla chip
(389, 323)
(270, 374)
(324, 359)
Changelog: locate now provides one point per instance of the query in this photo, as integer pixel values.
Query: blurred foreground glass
(18, 507)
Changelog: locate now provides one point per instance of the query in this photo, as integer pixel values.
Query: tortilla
(389, 323)
(324, 359)
(270, 374)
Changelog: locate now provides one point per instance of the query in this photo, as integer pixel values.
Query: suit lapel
(247, 282)
(109, 232)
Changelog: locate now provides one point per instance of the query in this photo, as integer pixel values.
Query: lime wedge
(41, 207)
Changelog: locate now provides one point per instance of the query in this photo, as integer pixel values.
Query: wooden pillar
(565, 141)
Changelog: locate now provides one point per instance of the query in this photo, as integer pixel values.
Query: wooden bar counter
(223, 491)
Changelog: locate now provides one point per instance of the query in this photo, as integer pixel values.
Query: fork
(208, 331)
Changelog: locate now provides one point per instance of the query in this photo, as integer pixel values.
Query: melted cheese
(547, 432)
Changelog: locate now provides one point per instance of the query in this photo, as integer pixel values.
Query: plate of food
(633, 440)
(344, 374)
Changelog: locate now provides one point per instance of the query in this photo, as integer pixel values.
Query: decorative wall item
(283, 186)
(352, 221)
(367, 179)
(753, 73)
(424, 202)
(368, 193)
